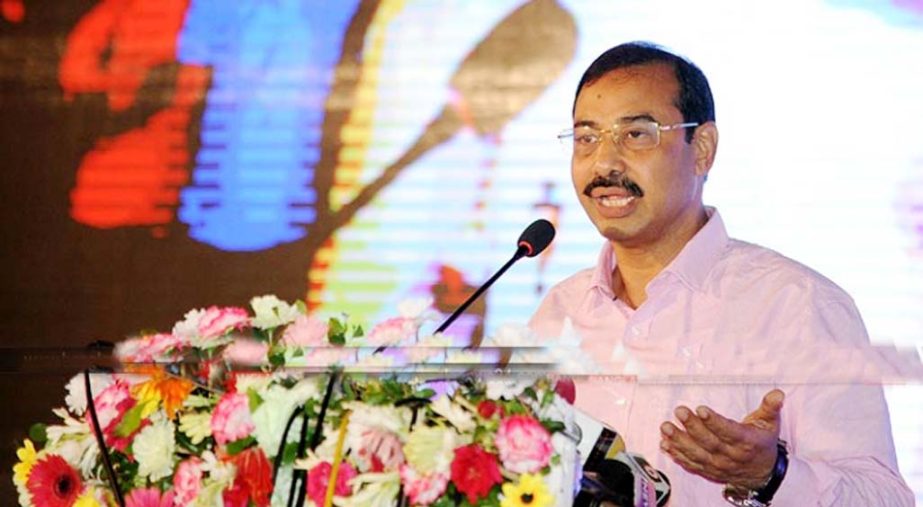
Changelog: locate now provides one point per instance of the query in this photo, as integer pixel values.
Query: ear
(705, 141)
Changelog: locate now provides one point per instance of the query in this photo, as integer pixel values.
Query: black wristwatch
(763, 496)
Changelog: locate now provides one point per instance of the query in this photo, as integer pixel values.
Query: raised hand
(723, 450)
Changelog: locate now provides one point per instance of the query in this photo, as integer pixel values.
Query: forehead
(630, 91)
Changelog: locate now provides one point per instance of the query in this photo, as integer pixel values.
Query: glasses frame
(616, 131)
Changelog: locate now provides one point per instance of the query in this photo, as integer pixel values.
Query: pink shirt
(715, 330)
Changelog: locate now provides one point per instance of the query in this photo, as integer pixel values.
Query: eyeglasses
(634, 135)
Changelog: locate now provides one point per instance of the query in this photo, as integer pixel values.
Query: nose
(609, 157)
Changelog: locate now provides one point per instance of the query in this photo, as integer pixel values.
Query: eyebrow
(622, 120)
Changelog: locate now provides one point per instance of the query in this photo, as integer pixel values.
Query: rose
(524, 444)
(231, 419)
(475, 472)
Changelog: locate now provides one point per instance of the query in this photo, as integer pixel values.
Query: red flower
(488, 408)
(253, 480)
(475, 471)
(319, 477)
(54, 483)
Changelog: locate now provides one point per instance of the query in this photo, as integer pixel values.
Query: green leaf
(547, 398)
(237, 446)
(277, 359)
(254, 398)
(552, 426)
(303, 308)
(424, 393)
(358, 332)
(290, 453)
(131, 421)
(38, 434)
(530, 393)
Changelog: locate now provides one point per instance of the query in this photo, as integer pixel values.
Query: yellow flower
(161, 388)
(27, 457)
(530, 491)
(87, 499)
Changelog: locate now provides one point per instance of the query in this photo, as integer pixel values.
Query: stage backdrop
(164, 155)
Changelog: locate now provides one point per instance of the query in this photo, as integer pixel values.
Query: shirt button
(635, 331)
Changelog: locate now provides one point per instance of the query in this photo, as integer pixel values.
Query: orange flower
(171, 391)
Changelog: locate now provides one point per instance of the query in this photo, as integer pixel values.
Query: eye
(636, 133)
(586, 137)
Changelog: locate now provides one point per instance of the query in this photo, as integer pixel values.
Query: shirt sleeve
(839, 433)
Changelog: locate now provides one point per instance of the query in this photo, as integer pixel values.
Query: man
(673, 298)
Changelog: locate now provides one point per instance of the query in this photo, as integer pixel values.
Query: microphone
(533, 240)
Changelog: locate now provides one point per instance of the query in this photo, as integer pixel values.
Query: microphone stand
(520, 253)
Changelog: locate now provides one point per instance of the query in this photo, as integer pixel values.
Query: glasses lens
(585, 140)
(639, 135)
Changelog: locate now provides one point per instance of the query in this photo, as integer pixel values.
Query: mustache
(614, 179)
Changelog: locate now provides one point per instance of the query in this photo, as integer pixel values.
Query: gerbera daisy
(54, 483)
(530, 491)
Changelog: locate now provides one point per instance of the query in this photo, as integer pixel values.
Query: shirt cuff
(799, 486)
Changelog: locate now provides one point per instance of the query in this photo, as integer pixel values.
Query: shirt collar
(700, 254)
(691, 266)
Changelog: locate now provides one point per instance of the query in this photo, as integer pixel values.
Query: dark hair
(694, 101)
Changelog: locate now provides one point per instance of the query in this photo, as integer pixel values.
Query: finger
(698, 431)
(727, 430)
(684, 460)
(770, 408)
(680, 441)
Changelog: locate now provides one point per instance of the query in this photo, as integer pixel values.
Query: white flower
(418, 309)
(196, 425)
(189, 326)
(432, 448)
(389, 418)
(512, 335)
(278, 405)
(454, 413)
(76, 398)
(269, 312)
(153, 448)
(256, 381)
(373, 490)
(507, 388)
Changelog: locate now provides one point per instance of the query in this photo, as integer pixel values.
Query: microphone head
(535, 238)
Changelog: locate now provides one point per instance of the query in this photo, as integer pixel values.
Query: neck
(638, 264)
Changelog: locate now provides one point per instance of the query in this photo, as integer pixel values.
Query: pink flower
(149, 497)
(392, 331)
(524, 444)
(218, 321)
(111, 405)
(246, 352)
(155, 347)
(231, 419)
(187, 481)
(381, 450)
(319, 477)
(423, 489)
(306, 331)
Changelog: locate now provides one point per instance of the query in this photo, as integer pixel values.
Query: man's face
(660, 189)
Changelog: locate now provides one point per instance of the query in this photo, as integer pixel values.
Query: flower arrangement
(220, 411)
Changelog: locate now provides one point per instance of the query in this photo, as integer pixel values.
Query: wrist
(762, 495)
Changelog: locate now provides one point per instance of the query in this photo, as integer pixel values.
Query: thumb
(769, 409)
